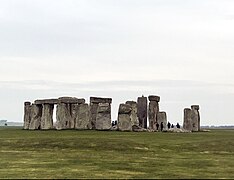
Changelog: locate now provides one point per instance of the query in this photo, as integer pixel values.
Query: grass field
(98, 154)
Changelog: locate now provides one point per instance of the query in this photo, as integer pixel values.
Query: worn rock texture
(36, 113)
(142, 111)
(83, 117)
(192, 118)
(63, 116)
(124, 117)
(47, 116)
(27, 114)
(152, 114)
(162, 117)
(134, 118)
(94, 104)
(103, 119)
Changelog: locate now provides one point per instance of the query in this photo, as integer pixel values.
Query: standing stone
(47, 116)
(83, 117)
(124, 117)
(188, 123)
(27, 114)
(94, 102)
(36, 113)
(142, 111)
(63, 116)
(162, 118)
(153, 111)
(134, 118)
(195, 118)
(103, 119)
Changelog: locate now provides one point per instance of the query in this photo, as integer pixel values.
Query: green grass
(98, 154)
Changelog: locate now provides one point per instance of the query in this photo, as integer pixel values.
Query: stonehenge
(75, 113)
(153, 111)
(142, 111)
(192, 118)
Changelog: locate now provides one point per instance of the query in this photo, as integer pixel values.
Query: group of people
(169, 126)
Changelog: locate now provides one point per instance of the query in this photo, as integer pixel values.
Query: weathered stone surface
(176, 130)
(47, 116)
(154, 98)
(83, 117)
(134, 118)
(63, 116)
(162, 118)
(46, 101)
(27, 114)
(36, 113)
(142, 111)
(71, 100)
(125, 109)
(103, 119)
(124, 117)
(195, 107)
(136, 128)
(93, 114)
(152, 114)
(100, 100)
(94, 102)
(188, 124)
(195, 120)
(192, 119)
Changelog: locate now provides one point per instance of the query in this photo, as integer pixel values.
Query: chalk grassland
(94, 154)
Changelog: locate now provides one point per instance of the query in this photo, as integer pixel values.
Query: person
(113, 123)
(169, 125)
(157, 126)
(161, 126)
(178, 126)
(172, 126)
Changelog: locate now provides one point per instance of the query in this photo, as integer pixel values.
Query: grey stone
(125, 109)
(46, 101)
(103, 119)
(71, 100)
(195, 107)
(97, 100)
(152, 114)
(36, 113)
(142, 111)
(63, 116)
(124, 117)
(162, 118)
(47, 116)
(83, 117)
(27, 114)
(93, 114)
(94, 102)
(188, 124)
(154, 98)
(134, 118)
(192, 119)
(136, 128)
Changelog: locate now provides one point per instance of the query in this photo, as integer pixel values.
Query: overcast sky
(181, 50)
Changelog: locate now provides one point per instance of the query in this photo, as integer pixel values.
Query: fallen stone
(177, 130)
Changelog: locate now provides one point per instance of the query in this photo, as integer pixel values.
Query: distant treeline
(218, 127)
